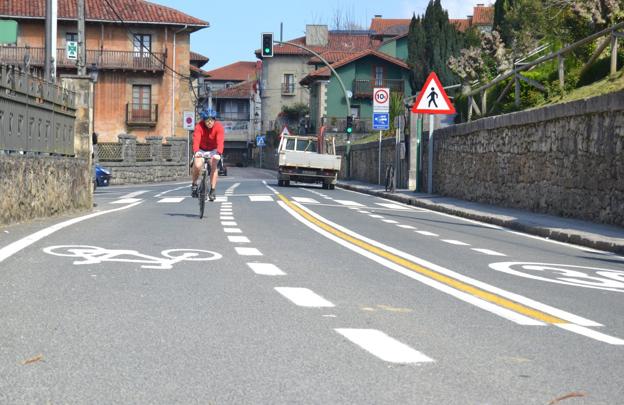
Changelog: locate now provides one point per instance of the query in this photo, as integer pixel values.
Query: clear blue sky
(235, 25)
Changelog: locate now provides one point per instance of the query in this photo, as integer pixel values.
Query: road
(286, 295)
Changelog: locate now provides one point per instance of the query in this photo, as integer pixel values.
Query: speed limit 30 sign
(381, 99)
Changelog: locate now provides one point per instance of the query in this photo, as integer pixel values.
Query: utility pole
(50, 43)
(82, 41)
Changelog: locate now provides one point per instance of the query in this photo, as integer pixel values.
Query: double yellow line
(449, 281)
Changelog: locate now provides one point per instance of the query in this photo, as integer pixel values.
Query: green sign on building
(8, 32)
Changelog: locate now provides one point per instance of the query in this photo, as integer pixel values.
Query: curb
(597, 243)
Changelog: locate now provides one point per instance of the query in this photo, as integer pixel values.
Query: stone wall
(365, 162)
(565, 160)
(35, 187)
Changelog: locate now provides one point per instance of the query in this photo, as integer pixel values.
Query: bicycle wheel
(202, 195)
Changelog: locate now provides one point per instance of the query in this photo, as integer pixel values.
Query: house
(360, 73)
(281, 75)
(232, 91)
(139, 52)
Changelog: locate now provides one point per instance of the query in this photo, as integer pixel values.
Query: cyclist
(208, 140)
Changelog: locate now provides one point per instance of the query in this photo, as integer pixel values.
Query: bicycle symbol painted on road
(579, 276)
(97, 255)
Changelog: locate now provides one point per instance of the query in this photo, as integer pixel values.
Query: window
(355, 111)
(71, 36)
(288, 83)
(141, 102)
(379, 74)
(142, 45)
(306, 145)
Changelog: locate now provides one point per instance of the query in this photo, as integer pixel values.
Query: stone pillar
(179, 151)
(128, 147)
(155, 143)
(83, 87)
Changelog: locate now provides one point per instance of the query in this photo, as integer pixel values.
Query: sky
(235, 25)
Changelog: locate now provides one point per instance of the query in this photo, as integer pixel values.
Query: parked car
(102, 176)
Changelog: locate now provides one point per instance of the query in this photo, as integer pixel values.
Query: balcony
(141, 115)
(364, 88)
(118, 60)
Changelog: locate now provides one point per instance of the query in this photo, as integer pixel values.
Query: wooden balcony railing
(141, 114)
(364, 88)
(103, 59)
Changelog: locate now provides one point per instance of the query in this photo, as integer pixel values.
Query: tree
(416, 59)
(442, 41)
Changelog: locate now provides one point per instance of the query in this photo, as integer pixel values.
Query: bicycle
(202, 190)
(390, 178)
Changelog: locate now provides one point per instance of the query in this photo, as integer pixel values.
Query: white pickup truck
(301, 159)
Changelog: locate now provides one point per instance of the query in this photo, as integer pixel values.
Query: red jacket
(208, 139)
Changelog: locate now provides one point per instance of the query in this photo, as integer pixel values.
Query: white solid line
(266, 269)
(127, 201)
(171, 200)
(393, 206)
(245, 251)
(229, 223)
(383, 346)
(238, 239)
(406, 226)
(581, 330)
(455, 242)
(135, 194)
(16, 246)
(304, 297)
(390, 221)
(257, 198)
(350, 203)
(270, 188)
(488, 252)
(232, 230)
(226, 218)
(425, 233)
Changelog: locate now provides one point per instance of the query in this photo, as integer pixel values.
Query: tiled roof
(326, 72)
(483, 15)
(131, 11)
(462, 24)
(389, 26)
(331, 57)
(338, 41)
(240, 90)
(198, 57)
(237, 71)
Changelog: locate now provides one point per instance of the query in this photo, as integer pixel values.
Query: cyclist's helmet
(207, 113)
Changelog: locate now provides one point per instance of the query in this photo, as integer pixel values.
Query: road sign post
(432, 100)
(381, 118)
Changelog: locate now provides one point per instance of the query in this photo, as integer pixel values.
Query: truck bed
(310, 160)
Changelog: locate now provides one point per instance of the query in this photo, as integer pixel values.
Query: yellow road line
(458, 285)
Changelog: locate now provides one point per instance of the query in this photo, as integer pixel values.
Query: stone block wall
(35, 187)
(565, 160)
(365, 162)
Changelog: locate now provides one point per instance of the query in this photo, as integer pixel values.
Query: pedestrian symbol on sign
(432, 96)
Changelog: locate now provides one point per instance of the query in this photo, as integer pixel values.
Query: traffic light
(267, 45)
(349, 124)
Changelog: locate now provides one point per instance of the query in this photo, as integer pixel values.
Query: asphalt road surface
(299, 295)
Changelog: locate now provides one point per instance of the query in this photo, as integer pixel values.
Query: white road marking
(270, 188)
(228, 223)
(376, 216)
(245, 251)
(406, 226)
(127, 201)
(581, 330)
(226, 211)
(390, 221)
(226, 218)
(238, 239)
(133, 195)
(266, 269)
(257, 198)
(426, 233)
(364, 212)
(221, 199)
(350, 203)
(305, 200)
(16, 246)
(169, 191)
(489, 252)
(232, 230)
(383, 346)
(304, 297)
(171, 200)
(455, 242)
(393, 206)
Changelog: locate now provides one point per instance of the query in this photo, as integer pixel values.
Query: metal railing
(103, 59)
(35, 116)
(364, 88)
(141, 114)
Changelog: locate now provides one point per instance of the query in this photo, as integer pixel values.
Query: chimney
(317, 35)
(378, 16)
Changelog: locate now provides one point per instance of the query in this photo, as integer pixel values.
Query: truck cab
(308, 159)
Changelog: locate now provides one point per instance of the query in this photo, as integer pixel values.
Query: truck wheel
(332, 186)
(280, 183)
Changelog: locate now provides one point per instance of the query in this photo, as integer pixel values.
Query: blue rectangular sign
(260, 140)
(381, 121)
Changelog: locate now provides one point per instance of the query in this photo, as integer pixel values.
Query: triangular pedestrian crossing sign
(432, 98)
(285, 131)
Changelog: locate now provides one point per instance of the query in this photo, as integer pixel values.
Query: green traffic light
(349, 130)
(267, 50)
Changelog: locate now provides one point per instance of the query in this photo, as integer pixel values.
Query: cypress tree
(416, 54)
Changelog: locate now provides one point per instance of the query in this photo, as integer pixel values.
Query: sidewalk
(597, 236)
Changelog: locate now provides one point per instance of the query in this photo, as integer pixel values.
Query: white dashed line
(349, 203)
(266, 269)
(238, 239)
(132, 195)
(305, 200)
(228, 223)
(383, 346)
(489, 252)
(393, 206)
(245, 251)
(221, 199)
(364, 212)
(376, 216)
(455, 242)
(226, 218)
(257, 198)
(304, 297)
(232, 230)
(406, 226)
(390, 221)
(127, 201)
(425, 233)
(171, 200)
